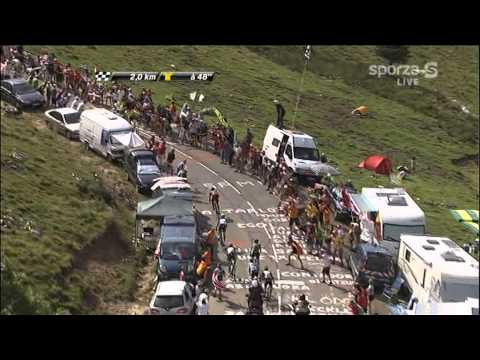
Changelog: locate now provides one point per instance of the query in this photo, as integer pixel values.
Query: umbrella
(472, 226)
(465, 215)
(378, 164)
(324, 169)
(468, 218)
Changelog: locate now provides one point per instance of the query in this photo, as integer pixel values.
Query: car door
(7, 91)
(56, 119)
(356, 259)
(289, 156)
(188, 298)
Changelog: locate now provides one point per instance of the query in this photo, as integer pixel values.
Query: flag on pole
(308, 52)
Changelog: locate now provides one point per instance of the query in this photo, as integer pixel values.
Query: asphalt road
(252, 214)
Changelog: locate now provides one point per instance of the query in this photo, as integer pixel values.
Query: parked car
(64, 120)
(20, 94)
(142, 169)
(367, 261)
(172, 298)
(177, 247)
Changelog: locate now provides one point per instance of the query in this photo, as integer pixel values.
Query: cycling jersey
(222, 224)
(256, 250)
(231, 253)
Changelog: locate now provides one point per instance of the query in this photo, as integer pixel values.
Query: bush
(94, 188)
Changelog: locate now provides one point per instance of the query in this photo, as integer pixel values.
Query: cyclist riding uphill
(255, 298)
(266, 277)
(301, 306)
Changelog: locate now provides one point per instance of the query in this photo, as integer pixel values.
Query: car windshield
(23, 88)
(177, 251)
(73, 118)
(455, 291)
(379, 263)
(392, 232)
(303, 153)
(120, 132)
(148, 169)
(168, 302)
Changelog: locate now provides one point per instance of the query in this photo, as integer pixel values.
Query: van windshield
(177, 251)
(379, 263)
(303, 153)
(457, 291)
(393, 232)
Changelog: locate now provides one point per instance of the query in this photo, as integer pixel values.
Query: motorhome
(438, 270)
(107, 133)
(297, 149)
(390, 213)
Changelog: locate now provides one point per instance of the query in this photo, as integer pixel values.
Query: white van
(297, 148)
(438, 270)
(107, 133)
(393, 213)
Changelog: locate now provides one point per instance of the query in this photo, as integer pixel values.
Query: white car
(64, 120)
(172, 297)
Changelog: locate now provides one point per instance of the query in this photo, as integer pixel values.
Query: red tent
(378, 164)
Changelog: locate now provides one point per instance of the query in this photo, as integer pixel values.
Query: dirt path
(142, 295)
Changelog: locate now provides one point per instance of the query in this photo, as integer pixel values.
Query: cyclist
(267, 278)
(252, 268)
(222, 229)
(255, 298)
(213, 198)
(232, 260)
(255, 251)
(301, 306)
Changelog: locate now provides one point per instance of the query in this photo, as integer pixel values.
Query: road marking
(271, 243)
(278, 274)
(251, 207)
(258, 181)
(213, 172)
(279, 304)
(233, 187)
(291, 282)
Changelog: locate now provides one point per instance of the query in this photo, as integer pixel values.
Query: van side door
(289, 155)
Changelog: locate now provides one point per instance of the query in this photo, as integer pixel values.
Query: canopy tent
(165, 205)
(130, 140)
(469, 219)
(378, 164)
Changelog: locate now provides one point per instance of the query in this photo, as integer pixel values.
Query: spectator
(371, 294)
(327, 262)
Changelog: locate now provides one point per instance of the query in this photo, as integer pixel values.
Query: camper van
(107, 133)
(297, 148)
(438, 270)
(392, 212)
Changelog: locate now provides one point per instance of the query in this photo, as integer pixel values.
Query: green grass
(421, 122)
(46, 194)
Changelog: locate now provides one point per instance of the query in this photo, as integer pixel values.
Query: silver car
(172, 298)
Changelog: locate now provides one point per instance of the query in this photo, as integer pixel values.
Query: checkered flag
(103, 75)
(308, 52)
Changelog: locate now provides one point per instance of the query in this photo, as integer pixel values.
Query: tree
(394, 54)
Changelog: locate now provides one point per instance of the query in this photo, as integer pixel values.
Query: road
(252, 214)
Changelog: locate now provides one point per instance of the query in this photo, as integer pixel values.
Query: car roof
(139, 153)
(65, 111)
(371, 248)
(179, 220)
(15, 81)
(172, 287)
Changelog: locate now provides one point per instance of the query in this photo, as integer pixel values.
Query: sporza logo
(409, 73)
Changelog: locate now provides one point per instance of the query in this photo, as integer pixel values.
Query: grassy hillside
(60, 226)
(421, 121)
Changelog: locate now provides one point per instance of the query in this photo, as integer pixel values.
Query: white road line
(279, 304)
(251, 207)
(278, 274)
(271, 243)
(207, 168)
(258, 181)
(233, 187)
(290, 282)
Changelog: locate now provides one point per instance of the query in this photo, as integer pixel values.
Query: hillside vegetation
(65, 232)
(422, 121)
